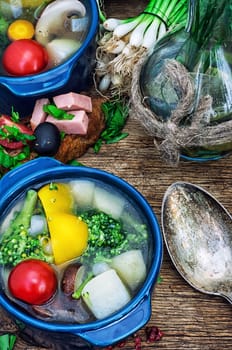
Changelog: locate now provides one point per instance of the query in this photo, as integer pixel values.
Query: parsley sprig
(116, 113)
(57, 112)
(7, 341)
(13, 133)
(10, 161)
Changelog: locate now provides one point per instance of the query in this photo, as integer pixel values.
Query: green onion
(201, 29)
(125, 41)
(100, 11)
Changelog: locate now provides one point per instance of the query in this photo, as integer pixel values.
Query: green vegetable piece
(116, 113)
(107, 236)
(7, 161)
(77, 293)
(75, 162)
(160, 279)
(57, 112)
(14, 115)
(17, 244)
(3, 33)
(13, 132)
(7, 341)
(23, 218)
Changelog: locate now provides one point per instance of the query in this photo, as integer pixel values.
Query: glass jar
(187, 80)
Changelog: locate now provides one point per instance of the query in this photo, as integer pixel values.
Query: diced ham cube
(78, 125)
(73, 101)
(38, 114)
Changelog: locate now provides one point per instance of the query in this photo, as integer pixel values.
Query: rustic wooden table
(187, 318)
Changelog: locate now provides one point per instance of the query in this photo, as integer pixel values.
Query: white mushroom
(54, 21)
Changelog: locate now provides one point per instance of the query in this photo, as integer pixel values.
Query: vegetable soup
(39, 35)
(84, 243)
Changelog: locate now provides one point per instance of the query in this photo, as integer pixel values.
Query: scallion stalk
(125, 41)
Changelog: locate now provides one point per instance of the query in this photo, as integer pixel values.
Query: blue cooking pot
(75, 74)
(138, 311)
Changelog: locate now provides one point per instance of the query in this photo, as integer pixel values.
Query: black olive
(47, 139)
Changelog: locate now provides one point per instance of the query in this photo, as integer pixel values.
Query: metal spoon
(197, 231)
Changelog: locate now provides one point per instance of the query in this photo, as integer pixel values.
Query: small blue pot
(75, 74)
(138, 311)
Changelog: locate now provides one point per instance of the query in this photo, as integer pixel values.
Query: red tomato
(33, 281)
(24, 56)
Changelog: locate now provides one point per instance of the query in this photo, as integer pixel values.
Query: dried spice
(152, 334)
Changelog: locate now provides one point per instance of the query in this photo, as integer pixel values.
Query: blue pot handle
(122, 328)
(19, 173)
(39, 84)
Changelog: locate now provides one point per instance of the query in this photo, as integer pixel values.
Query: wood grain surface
(188, 319)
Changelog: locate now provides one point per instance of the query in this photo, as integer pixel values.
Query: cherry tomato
(32, 281)
(24, 57)
(8, 142)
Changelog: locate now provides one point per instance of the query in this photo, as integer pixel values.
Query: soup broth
(111, 262)
(60, 31)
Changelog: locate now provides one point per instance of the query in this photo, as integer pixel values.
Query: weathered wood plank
(189, 319)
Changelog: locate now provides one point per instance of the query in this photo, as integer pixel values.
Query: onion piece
(38, 225)
(100, 267)
(60, 49)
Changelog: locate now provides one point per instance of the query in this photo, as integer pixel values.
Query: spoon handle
(227, 296)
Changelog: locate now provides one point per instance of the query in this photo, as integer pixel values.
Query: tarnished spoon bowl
(197, 232)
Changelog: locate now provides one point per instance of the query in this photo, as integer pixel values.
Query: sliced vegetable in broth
(88, 232)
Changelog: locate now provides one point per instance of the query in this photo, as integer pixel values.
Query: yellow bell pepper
(56, 197)
(69, 236)
(25, 3)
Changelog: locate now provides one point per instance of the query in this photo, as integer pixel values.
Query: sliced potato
(107, 202)
(105, 294)
(130, 267)
(83, 191)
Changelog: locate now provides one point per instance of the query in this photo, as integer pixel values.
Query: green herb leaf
(117, 138)
(57, 112)
(159, 279)
(62, 135)
(75, 162)
(4, 24)
(7, 161)
(116, 113)
(13, 133)
(7, 341)
(14, 115)
(53, 186)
